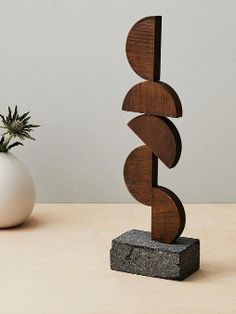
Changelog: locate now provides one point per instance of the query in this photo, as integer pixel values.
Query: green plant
(16, 126)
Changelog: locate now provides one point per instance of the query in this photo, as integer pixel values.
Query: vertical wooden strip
(157, 49)
(154, 170)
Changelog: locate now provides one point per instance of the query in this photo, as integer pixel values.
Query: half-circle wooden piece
(143, 48)
(140, 174)
(161, 137)
(168, 215)
(155, 98)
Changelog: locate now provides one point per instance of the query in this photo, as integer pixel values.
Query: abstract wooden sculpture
(157, 101)
(162, 252)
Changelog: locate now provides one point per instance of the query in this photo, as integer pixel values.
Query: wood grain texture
(160, 135)
(168, 215)
(140, 174)
(143, 48)
(158, 101)
(155, 98)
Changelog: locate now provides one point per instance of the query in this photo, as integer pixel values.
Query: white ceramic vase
(17, 195)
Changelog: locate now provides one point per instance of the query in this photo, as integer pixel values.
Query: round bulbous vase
(17, 194)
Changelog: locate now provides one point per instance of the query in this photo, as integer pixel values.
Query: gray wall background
(64, 61)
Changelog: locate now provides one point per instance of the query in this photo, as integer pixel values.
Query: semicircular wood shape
(143, 48)
(168, 215)
(140, 174)
(160, 135)
(155, 98)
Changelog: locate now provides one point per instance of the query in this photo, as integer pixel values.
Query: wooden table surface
(58, 263)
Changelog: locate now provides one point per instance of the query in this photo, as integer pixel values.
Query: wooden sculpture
(156, 101)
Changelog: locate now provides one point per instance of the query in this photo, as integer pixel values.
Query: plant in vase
(17, 195)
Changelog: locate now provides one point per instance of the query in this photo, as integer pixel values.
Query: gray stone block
(134, 252)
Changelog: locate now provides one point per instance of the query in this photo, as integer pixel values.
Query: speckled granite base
(135, 252)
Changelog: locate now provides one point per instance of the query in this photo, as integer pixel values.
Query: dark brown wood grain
(140, 174)
(155, 98)
(168, 215)
(143, 48)
(160, 135)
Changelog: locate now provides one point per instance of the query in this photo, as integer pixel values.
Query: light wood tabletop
(58, 263)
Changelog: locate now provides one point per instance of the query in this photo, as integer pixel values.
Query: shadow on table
(214, 271)
(33, 222)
